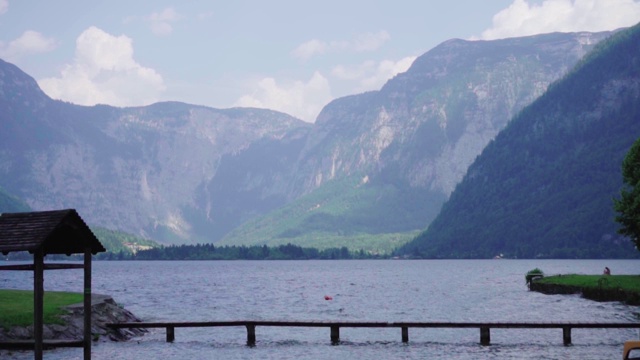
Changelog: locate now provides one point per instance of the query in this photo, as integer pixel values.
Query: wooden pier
(46, 344)
(334, 326)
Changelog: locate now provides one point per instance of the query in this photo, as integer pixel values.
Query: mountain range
(370, 173)
(377, 167)
(545, 186)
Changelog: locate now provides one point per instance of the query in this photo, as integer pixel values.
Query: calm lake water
(371, 290)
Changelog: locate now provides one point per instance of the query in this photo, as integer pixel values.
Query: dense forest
(212, 252)
(544, 188)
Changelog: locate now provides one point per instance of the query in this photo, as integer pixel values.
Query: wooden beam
(25, 267)
(485, 327)
(48, 266)
(87, 303)
(38, 302)
(373, 324)
(51, 266)
(46, 344)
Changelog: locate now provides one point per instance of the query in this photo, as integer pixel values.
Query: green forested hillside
(337, 215)
(544, 186)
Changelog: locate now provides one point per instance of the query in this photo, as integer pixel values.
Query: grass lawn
(626, 282)
(16, 306)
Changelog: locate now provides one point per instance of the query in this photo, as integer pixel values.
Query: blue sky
(287, 55)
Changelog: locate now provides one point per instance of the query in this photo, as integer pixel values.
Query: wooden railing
(334, 326)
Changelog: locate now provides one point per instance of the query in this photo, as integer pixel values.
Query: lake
(362, 290)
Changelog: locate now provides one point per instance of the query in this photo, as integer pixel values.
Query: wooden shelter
(50, 232)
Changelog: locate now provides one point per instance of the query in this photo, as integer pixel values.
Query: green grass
(16, 306)
(625, 282)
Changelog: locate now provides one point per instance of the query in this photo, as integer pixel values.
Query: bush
(533, 274)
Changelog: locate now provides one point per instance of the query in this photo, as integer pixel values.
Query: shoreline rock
(104, 310)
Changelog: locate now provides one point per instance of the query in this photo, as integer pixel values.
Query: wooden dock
(334, 326)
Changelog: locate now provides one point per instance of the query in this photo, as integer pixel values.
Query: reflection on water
(435, 290)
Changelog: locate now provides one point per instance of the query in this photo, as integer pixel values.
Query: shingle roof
(56, 232)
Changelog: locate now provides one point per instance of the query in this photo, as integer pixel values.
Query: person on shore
(607, 271)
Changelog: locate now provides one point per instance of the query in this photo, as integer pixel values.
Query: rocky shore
(604, 293)
(104, 310)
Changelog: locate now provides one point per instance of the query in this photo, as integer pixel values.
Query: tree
(628, 206)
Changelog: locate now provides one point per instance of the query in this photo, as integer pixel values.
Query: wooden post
(87, 303)
(38, 302)
(335, 334)
(485, 336)
(171, 333)
(566, 336)
(251, 335)
(405, 334)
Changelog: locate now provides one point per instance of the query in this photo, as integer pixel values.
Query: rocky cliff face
(134, 169)
(432, 121)
(181, 173)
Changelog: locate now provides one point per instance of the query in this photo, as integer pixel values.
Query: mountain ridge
(129, 169)
(539, 189)
(183, 173)
(416, 136)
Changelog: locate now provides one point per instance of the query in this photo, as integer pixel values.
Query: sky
(293, 56)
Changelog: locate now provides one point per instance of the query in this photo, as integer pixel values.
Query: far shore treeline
(212, 252)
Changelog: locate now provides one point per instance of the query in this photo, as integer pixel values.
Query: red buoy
(327, 297)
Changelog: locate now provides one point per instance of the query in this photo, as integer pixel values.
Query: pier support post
(171, 333)
(485, 336)
(566, 336)
(405, 334)
(335, 334)
(251, 335)
(87, 304)
(38, 303)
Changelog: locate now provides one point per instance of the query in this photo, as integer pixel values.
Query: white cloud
(300, 99)
(370, 41)
(523, 18)
(161, 23)
(371, 75)
(305, 100)
(4, 6)
(104, 72)
(361, 43)
(30, 42)
(309, 49)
